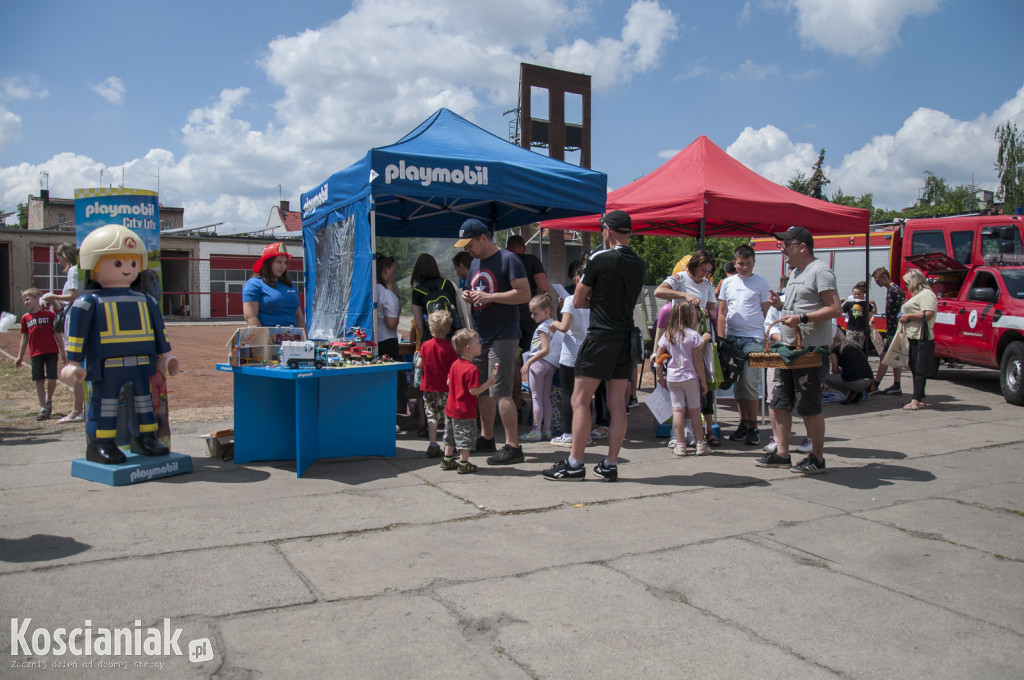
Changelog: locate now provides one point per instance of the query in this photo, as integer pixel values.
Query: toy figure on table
(119, 334)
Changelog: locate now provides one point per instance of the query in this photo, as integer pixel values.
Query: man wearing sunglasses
(811, 302)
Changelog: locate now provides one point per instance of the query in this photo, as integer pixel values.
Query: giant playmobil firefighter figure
(119, 333)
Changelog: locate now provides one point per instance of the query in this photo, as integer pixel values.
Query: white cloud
(751, 71)
(769, 152)
(862, 29)
(112, 89)
(891, 166)
(360, 81)
(10, 126)
(745, 13)
(23, 88)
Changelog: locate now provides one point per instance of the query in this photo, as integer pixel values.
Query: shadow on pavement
(39, 548)
(873, 476)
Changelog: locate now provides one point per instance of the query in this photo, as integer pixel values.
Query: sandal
(914, 407)
(73, 417)
(713, 440)
(599, 432)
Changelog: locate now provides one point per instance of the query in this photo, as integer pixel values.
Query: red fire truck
(975, 265)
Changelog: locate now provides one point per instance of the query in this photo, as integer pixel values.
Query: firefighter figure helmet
(111, 239)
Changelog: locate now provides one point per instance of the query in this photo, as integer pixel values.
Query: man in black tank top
(610, 287)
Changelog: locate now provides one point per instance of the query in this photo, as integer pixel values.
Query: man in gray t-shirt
(811, 303)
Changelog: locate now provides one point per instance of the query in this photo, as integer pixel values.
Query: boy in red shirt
(435, 360)
(463, 388)
(38, 337)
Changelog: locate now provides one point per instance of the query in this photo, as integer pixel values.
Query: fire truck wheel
(1011, 373)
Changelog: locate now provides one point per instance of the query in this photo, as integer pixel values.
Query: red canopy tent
(703, 191)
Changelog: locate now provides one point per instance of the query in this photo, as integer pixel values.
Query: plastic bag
(898, 355)
(7, 321)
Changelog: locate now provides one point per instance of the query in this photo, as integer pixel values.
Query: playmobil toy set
(287, 347)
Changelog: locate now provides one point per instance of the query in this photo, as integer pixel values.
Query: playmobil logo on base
(150, 473)
(89, 641)
(315, 201)
(426, 176)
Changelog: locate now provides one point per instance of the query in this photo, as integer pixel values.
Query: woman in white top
(691, 283)
(919, 309)
(67, 255)
(387, 307)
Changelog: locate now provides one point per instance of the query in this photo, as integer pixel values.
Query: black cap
(799, 234)
(618, 221)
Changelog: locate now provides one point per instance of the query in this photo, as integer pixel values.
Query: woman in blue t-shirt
(270, 298)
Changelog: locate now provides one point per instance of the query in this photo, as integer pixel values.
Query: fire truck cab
(975, 266)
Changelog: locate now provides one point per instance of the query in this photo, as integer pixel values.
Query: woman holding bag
(917, 318)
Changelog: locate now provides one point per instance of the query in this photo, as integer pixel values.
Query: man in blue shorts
(497, 285)
(610, 286)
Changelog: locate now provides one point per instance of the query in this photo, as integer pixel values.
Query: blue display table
(304, 415)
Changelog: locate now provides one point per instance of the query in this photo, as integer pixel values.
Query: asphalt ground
(906, 559)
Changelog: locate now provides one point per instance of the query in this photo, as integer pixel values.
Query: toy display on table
(119, 335)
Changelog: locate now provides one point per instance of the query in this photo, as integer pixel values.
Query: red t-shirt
(462, 377)
(39, 329)
(437, 355)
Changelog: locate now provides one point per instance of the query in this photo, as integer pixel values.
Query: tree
(936, 189)
(22, 216)
(817, 182)
(661, 253)
(798, 183)
(814, 185)
(1010, 166)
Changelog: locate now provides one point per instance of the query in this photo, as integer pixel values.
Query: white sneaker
(562, 440)
(806, 446)
(672, 442)
(771, 447)
(691, 442)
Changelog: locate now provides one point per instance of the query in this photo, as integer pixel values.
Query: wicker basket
(768, 359)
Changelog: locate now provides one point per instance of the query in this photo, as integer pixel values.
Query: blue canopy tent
(425, 185)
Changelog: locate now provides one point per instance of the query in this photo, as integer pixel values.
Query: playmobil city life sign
(475, 175)
(135, 209)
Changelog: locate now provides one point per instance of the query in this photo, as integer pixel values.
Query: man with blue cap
(497, 285)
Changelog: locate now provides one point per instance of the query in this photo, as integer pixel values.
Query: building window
(47, 274)
(228, 274)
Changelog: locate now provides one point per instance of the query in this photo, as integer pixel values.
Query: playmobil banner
(136, 209)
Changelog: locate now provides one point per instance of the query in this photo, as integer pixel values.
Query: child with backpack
(539, 367)
(431, 293)
(681, 372)
(435, 359)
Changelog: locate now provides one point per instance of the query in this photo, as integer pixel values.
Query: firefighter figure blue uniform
(119, 334)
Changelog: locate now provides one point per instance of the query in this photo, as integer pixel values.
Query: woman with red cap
(270, 298)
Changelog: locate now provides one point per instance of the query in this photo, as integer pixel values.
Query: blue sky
(228, 100)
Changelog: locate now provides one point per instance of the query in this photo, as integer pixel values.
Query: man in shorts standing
(743, 302)
(610, 286)
(497, 285)
(811, 302)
